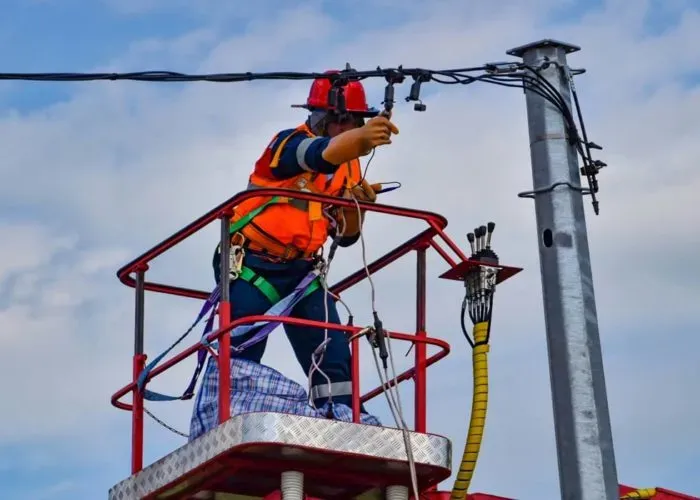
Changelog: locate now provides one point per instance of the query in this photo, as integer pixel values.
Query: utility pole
(585, 453)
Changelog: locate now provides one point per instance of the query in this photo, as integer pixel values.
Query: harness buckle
(319, 263)
(236, 261)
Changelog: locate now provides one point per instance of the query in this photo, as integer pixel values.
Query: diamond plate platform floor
(247, 454)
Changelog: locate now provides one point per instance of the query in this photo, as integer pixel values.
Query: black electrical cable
(477, 303)
(171, 76)
(510, 74)
(590, 166)
(463, 322)
(456, 76)
(590, 169)
(545, 89)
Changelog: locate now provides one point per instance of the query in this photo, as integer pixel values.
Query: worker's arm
(301, 154)
(322, 154)
(360, 141)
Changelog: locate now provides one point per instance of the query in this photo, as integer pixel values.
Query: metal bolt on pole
(587, 469)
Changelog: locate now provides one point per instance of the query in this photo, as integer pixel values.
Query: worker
(282, 242)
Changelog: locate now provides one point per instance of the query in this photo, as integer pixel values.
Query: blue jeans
(247, 300)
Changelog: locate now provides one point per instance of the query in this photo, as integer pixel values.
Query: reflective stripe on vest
(302, 149)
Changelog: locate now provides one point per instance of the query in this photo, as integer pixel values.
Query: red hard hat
(353, 91)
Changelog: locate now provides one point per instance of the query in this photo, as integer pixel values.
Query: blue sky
(95, 173)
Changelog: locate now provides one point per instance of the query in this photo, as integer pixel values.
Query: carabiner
(236, 255)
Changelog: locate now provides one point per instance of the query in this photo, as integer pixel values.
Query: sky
(93, 174)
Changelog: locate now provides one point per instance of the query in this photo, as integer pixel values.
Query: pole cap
(547, 42)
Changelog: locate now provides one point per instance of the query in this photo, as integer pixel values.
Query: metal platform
(247, 454)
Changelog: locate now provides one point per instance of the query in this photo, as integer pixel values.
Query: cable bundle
(506, 74)
(480, 285)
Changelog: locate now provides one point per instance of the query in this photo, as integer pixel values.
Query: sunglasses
(347, 118)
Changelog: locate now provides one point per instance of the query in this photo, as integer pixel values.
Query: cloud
(90, 182)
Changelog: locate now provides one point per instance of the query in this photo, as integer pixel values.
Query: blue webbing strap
(210, 303)
(281, 308)
(201, 357)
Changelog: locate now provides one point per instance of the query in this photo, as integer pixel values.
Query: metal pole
(139, 312)
(586, 458)
(138, 364)
(224, 359)
(421, 405)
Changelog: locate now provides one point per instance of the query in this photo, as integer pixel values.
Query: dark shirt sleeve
(301, 154)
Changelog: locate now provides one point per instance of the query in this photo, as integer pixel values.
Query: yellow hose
(643, 493)
(477, 421)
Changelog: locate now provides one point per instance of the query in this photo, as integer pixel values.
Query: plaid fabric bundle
(257, 388)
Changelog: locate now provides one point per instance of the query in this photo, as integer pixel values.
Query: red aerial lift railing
(420, 243)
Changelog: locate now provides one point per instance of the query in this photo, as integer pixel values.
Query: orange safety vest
(291, 228)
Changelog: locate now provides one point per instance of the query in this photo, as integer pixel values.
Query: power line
(507, 74)
(172, 76)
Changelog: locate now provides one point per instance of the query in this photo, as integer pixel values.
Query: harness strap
(267, 289)
(236, 226)
(280, 307)
(247, 218)
(256, 239)
(210, 303)
(302, 205)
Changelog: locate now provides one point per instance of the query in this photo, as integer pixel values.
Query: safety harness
(281, 306)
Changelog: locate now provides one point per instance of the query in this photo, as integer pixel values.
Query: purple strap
(282, 308)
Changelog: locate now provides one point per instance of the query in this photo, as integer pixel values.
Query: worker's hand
(350, 219)
(357, 142)
(377, 132)
(366, 191)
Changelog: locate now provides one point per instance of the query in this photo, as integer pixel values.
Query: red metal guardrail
(420, 243)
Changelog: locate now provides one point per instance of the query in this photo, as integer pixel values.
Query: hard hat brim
(364, 113)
